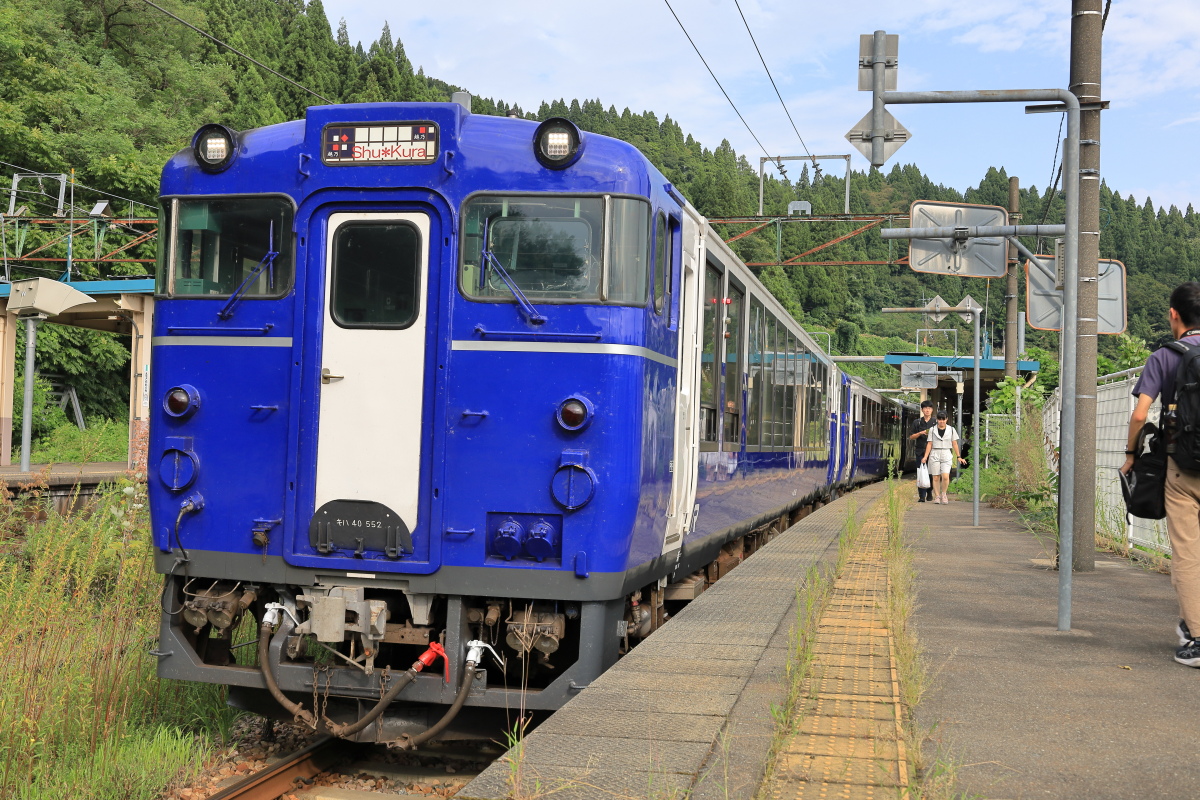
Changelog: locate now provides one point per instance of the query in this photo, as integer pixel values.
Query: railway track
(321, 770)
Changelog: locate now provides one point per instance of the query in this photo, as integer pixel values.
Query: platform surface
(66, 473)
(1028, 712)
(689, 710)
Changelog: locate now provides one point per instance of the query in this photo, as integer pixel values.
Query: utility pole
(1087, 22)
(1010, 291)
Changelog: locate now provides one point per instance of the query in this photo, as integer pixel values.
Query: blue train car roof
(476, 152)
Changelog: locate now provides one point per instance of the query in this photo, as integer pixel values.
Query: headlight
(214, 147)
(557, 143)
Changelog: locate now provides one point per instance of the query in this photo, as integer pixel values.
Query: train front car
(416, 375)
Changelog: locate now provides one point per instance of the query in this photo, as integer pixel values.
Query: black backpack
(1186, 438)
(1143, 486)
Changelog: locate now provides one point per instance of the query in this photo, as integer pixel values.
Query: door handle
(327, 378)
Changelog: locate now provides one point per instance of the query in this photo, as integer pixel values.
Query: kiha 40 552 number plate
(387, 143)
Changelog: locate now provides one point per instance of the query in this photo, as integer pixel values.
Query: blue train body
(368, 441)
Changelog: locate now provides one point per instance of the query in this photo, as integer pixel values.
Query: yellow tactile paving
(848, 742)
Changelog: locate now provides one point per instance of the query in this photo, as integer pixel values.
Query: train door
(845, 423)
(832, 405)
(687, 412)
(372, 385)
(856, 425)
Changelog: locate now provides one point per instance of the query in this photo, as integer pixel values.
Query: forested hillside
(111, 88)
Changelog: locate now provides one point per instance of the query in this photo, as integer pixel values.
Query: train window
(755, 348)
(376, 279)
(662, 264)
(162, 271)
(552, 247)
(629, 248)
(221, 244)
(709, 374)
(733, 368)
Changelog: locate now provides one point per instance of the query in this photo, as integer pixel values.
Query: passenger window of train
(162, 268)
(708, 357)
(789, 391)
(376, 275)
(733, 367)
(662, 266)
(222, 244)
(769, 410)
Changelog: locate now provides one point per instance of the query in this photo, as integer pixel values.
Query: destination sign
(397, 143)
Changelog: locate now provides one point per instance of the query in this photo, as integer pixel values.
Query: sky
(632, 53)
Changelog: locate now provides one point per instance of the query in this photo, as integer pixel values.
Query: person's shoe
(1189, 654)
(945, 499)
(1185, 636)
(920, 499)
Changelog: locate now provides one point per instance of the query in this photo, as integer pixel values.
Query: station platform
(1012, 707)
(689, 710)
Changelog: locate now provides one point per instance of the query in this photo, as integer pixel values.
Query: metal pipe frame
(1068, 379)
(973, 232)
(762, 161)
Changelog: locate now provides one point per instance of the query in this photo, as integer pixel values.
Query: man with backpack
(1173, 373)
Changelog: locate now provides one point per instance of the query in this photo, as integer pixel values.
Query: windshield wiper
(267, 263)
(535, 316)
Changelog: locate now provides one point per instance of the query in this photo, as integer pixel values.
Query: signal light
(575, 413)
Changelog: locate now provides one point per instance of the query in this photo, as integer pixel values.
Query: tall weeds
(82, 714)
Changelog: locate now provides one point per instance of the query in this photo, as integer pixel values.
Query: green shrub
(82, 713)
(103, 440)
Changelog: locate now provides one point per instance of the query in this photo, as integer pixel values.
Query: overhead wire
(235, 50)
(714, 77)
(771, 77)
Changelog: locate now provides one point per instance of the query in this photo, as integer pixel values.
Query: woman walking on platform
(942, 440)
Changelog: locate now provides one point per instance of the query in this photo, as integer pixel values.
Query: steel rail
(277, 779)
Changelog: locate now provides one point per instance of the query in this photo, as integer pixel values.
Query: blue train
(459, 392)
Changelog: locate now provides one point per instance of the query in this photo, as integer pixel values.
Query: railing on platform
(1114, 404)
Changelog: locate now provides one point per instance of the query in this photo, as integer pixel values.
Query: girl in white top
(942, 440)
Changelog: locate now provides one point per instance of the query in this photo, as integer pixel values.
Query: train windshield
(553, 248)
(226, 244)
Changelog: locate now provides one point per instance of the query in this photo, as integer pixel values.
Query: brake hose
(474, 654)
(427, 658)
(264, 662)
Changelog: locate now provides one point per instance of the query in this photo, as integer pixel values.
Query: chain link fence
(1114, 404)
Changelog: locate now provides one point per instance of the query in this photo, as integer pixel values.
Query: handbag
(923, 481)
(1144, 486)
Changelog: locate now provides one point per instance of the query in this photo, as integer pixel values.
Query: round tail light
(181, 402)
(575, 413)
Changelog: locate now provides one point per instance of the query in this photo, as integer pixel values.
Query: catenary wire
(235, 50)
(714, 77)
(773, 86)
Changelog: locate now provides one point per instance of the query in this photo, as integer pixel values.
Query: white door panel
(369, 439)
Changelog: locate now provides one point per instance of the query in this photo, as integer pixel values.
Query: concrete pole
(1010, 290)
(1086, 25)
(27, 406)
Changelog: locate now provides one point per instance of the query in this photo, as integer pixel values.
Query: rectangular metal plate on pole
(918, 374)
(1045, 302)
(968, 258)
(891, 46)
